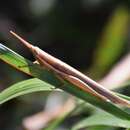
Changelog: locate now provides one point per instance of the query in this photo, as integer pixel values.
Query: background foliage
(90, 35)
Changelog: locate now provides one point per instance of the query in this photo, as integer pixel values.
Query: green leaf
(102, 119)
(112, 41)
(24, 87)
(28, 67)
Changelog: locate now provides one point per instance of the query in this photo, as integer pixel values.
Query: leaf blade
(105, 120)
(16, 61)
(24, 87)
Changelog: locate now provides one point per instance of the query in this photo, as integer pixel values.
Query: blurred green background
(90, 35)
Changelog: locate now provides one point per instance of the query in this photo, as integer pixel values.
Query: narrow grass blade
(112, 41)
(24, 87)
(101, 119)
(21, 63)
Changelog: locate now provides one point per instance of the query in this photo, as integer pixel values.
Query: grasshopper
(66, 72)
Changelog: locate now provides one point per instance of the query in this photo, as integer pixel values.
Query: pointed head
(33, 49)
(27, 44)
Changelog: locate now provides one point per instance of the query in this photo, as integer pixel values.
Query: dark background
(71, 30)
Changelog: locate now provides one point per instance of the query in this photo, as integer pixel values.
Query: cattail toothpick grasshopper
(72, 75)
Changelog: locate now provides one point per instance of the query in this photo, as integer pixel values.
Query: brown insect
(72, 75)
